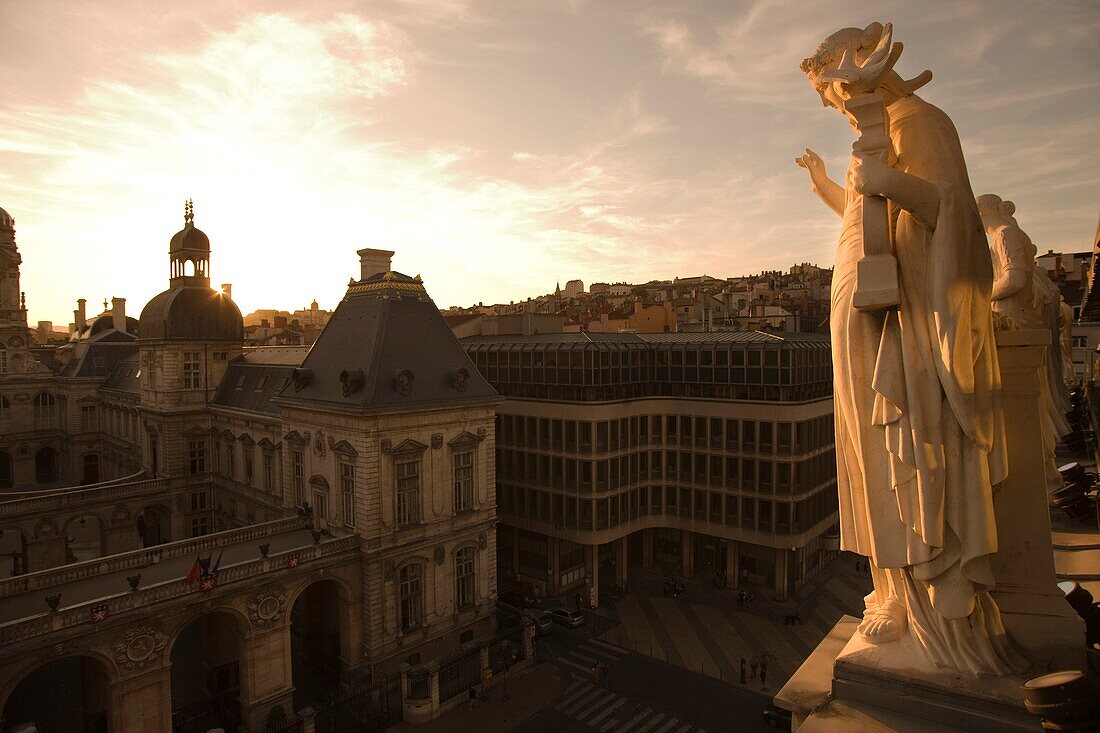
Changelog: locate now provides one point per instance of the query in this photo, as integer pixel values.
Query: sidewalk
(528, 693)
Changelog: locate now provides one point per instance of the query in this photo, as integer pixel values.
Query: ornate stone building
(258, 530)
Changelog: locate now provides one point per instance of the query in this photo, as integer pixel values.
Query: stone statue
(1025, 298)
(919, 427)
(1017, 296)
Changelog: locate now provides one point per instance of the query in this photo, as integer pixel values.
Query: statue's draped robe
(919, 426)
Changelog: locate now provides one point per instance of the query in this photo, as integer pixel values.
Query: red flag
(193, 574)
(99, 613)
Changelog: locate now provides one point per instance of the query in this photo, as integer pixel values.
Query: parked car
(541, 619)
(515, 598)
(569, 617)
(777, 717)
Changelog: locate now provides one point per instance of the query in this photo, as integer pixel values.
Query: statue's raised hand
(813, 163)
(823, 186)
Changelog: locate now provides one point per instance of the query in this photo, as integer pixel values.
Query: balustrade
(47, 621)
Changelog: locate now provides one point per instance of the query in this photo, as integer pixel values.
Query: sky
(497, 147)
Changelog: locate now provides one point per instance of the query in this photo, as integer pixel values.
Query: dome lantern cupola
(189, 252)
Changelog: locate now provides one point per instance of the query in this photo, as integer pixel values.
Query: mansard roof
(98, 358)
(126, 376)
(250, 387)
(386, 346)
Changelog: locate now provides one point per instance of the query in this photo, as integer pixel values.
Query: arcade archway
(85, 538)
(153, 526)
(81, 683)
(207, 672)
(315, 643)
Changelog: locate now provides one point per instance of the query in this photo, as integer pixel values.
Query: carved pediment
(463, 440)
(318, 481)
(408, 446)
(246, 439)
(344, 448)
(294, 437)
(266, 444)
(228, 436)
(194, 432)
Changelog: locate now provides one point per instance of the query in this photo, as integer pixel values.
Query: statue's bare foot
(885, 623)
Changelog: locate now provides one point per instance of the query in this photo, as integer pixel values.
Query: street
(642, 695)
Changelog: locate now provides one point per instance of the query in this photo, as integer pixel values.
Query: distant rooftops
(718, 337)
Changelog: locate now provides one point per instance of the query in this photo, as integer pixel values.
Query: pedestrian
(577, 601)
(764, 672)
(742, 670)
(596, 673)
(753, 664)
(472, 694)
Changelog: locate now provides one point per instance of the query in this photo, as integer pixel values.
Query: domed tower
(188, 335)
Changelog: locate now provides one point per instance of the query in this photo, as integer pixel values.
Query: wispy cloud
(497, 147)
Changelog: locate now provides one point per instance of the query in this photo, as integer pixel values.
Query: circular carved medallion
(266, 607)
(139, 646)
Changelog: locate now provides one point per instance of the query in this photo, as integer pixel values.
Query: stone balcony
(102, 584)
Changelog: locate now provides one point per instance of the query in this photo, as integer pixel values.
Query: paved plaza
(706, 631)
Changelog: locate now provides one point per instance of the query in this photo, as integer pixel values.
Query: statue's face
(829, 96)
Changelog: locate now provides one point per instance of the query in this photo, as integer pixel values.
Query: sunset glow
(497, 147)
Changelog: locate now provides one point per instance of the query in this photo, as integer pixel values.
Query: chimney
(81, 313)
(227, 290)
(118, 314)
(373, 261)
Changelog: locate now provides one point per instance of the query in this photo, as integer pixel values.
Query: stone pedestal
(1045, 627)
(848, 684)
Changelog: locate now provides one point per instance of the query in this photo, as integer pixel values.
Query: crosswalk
(601, 709)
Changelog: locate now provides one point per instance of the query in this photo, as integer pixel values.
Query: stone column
(619, 552)
(143, 703)
(553, 550)
(733, 563)
(267, 677)
(592, 565)
(780, 574)
(1033, 608)
(647, 548)
(687, 553)
(515, 551)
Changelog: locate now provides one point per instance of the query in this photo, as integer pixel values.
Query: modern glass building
(712, 452)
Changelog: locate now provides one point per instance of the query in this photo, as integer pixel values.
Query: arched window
(45, 411)
(91, 468)
(45, 465)
(411, 597)
(5, 415)
(465, 579)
